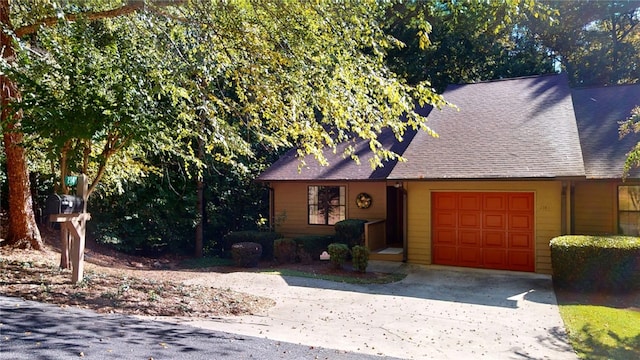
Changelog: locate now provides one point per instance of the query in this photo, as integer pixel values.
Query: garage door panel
(521, 222)
(495, 202)
(445, 237)
(470, 201)
(445, 201)
(470, 256)
(485, 230)
(522, 240)
(521, 260)
(496, 239)
(445, 255)
(469, 238)
(495, 258)
(493, 220)
(445, 219)
(469, 219)
(521, 202)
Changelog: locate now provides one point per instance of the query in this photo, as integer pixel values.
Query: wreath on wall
(363, 200)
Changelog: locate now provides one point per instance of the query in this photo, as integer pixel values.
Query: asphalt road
(32, 330)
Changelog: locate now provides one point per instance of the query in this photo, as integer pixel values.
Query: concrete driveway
(434, 313)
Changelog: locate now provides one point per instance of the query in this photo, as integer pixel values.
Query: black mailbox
(64, 204)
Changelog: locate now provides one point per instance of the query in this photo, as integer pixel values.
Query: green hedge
(246, 254)
(350, 232)
(314, 245)
(264, 238)
(596, 263)
(338, 253)
(360, 255)
(285, 251)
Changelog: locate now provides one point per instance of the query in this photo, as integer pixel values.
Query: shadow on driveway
(471, 286)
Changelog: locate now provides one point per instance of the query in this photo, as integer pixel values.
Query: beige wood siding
(291, 212)
(547, 195)
(596, 206)
(595, 209)
(378, 208)
(418, 223)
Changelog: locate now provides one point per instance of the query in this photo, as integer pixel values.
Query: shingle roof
(533, 127)
(516, 128)
(598, 112)
(340, 168)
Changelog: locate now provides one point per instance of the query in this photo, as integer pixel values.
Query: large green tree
(23, 20)
(212, 82)
(223, 75)
(22, 228)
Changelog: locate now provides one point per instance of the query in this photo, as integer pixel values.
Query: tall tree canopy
(303, 74)
(469, 41)
(102, 77)
(122, 90)
(597, 42)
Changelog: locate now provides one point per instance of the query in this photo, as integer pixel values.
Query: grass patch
(379, 278)
(206, 262)
(602, 332)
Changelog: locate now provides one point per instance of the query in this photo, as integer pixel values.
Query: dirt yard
(119, 283)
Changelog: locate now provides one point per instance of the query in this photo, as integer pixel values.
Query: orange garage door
(483, 230)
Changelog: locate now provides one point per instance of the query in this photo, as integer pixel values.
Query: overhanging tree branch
(130, 7)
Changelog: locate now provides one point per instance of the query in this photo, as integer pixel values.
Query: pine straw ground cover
(115, 282)
(35, 275)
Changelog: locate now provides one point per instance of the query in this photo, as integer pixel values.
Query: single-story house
(519, 162)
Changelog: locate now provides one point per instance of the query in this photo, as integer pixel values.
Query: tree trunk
(200, 207)
(23, 230)
(199, 251)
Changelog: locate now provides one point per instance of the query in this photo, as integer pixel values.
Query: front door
(395, 217)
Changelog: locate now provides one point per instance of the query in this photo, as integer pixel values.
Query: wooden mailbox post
(72, 233)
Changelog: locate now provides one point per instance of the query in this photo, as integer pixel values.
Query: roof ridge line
(508, 79)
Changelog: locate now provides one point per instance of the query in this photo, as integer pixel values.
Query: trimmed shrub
(595, 263)
(360, 258)
(284, 250)
(314, 245)
(264, 238)
(246, 254)
(338, 253)
(304, 257)
(350, 231)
